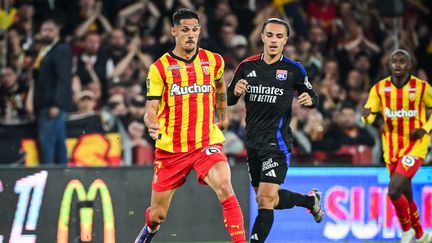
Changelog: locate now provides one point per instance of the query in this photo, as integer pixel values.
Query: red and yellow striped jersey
(186, 89)
(403, 109)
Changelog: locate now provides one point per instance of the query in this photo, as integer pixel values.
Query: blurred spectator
(239, 50)
(362, 63)
(310, 60)
(142, 144)
(323, 12)
(344, 131)
(14, 50)
(227, 31)
(290, 51)
(294, 11)
(138, 18)
(117, 106)
(236, 116)
(94, 67)
(215, 15)
(319, 38)
(315, 129)
(85, 102)
(92, 19)
(357, 89)
(330, 72)
(117, 45)
(13, 95)
(125, 68)
(52, 94)
(136, 115)
(301, 142)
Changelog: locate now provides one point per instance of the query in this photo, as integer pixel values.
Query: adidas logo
(271, 173)
(254, 237)
(252, 74)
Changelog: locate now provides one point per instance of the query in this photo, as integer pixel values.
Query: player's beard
(189, 49)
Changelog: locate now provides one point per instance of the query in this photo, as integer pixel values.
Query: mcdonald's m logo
(85, 204)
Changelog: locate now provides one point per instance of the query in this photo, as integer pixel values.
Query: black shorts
(267, 166)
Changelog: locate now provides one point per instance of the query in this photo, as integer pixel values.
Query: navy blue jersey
(269, 98)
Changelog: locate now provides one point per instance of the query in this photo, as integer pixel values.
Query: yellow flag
(6, 20)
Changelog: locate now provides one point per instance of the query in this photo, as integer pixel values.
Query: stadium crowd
(344, 45)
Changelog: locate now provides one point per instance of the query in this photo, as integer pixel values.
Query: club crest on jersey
(412, 93)
(206, 70)
(411, 96)
(281, 74)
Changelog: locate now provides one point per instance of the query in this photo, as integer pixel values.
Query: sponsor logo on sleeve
(307, 83)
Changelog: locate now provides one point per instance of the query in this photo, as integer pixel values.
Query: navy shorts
(267, 166)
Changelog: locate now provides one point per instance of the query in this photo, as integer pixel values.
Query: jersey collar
(182, 59)
(262, 58)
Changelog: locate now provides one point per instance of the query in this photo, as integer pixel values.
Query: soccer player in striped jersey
(184, 87)
(402, 100)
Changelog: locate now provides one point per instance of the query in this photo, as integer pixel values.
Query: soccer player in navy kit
(268, 81)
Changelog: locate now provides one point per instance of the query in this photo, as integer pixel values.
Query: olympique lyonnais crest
(206, 70)
(281, 74)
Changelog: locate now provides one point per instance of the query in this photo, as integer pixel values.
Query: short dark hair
(347, 105)
(184, 13)
(54, 21)
(276, 21)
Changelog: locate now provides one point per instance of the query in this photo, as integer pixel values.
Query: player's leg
(414, 213)
(170, 172)
(219, 179)
(420, 235)
(266, 196)
(398, 183)
(396, 187)
(267, 171)
(155, 214)
(312, 201)
(400, 191)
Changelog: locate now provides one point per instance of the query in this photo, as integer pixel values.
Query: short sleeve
(220, 68)
(155, 83)
(373, 102)
(427, 99)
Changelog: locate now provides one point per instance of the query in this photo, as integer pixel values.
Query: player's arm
(150, 118)
(427, 127)
(371, 107)
(427, 98)
(155, 86)
(221, 103)
(307, 97)
(237, 87)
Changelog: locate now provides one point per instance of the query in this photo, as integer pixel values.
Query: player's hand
(153, 129)
(53, 111)
(366, 112)
(417, 133)
(223, 124)
(305, 100)
(240, 87)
